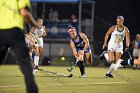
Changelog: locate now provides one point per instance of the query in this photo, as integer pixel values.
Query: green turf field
(125, 81)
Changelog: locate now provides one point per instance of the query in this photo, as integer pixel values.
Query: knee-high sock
(81, 65)
(128, 62)
(111, 68)
(134, 66)
(36, 60)
(106, 56)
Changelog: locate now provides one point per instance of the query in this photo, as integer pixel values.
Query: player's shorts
(39, 42)
(115, 47)
(86, 51)
(135, 52)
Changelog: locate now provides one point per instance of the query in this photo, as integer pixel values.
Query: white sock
(111, 68)
(138, 66)
(134, 66)
(106, 56)
(36, 60)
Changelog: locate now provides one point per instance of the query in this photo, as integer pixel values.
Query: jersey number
(117, 40)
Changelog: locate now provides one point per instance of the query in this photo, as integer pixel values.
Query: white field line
(77, 84)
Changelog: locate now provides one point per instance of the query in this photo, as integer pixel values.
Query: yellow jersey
(9, 13)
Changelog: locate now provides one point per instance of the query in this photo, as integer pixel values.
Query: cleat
(102, 55)
(109, 76)
(83, 76)
(35, 71)
(36, 67)
(134, 68)
(118, 65)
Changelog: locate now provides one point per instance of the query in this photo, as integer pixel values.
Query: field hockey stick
(73, 66)
(129, 55)
(38, 42)
(55, 73)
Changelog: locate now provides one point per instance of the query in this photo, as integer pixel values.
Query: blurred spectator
(74, 21)
(73, 18)
(136, 50)
(43, 17)
(53, 15)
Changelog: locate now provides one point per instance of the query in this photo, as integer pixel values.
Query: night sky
(110, 9)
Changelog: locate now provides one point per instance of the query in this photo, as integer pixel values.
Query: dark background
(105, 15)
(105, 12)
(108, 10)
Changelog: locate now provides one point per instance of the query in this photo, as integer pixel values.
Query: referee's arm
(28, 17)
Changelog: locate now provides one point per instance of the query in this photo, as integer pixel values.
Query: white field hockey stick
(55, 73)
(129, 55)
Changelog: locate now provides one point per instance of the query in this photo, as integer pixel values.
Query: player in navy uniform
(81, 49)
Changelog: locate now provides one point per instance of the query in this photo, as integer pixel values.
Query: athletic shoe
(102, 55)
(118, 65)
(109, 76)
(36, 67)
(83, 76)
(35, 71)
(138, 66)
(134, 68)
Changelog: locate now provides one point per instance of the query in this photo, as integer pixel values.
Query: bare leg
(88, 57)
(137, 61)
(40, 48)
(117, 56)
